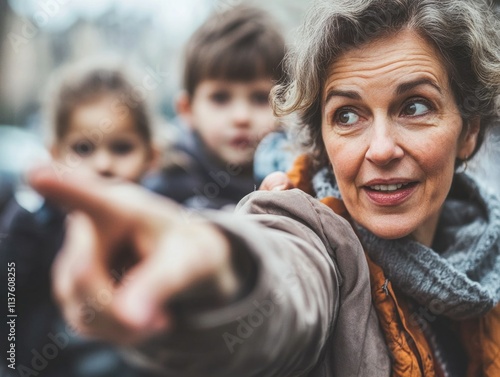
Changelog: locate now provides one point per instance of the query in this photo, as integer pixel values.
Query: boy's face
(103, 138)
(231, 117)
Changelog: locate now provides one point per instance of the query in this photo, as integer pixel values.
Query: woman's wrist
(232, 277)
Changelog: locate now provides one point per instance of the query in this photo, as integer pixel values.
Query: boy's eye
(416, 108)
(221, 97)
(83, 148)
(346, 117)
(260, 98)
(121, 147)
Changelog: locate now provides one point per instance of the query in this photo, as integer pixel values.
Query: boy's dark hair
(239, 44)
(79, 83)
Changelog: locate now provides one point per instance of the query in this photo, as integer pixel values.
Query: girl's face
(103, 138)
(393, 132)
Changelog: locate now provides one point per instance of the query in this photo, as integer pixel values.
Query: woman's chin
(389, 232)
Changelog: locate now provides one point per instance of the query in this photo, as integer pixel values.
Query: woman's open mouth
(390, 194)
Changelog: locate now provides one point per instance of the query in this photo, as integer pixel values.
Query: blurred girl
(98, 124)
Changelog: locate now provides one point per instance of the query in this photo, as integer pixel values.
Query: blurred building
(39, 35)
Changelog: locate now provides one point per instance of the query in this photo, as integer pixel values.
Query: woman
(396, 95)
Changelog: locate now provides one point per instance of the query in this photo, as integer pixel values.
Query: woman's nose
(384, 144)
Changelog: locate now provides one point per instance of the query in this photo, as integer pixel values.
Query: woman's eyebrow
(342, 93)
(401, 89)
(407, 86)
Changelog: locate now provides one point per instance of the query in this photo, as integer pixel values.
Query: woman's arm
(206, 294)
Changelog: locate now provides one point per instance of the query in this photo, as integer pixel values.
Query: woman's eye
(416, 108)
(221, 97)
(121, 148)
(346, 117)
(83, 148)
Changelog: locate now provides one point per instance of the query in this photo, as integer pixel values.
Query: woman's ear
(469, 139)
(184, 108)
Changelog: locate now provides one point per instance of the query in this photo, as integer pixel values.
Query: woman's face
(393, 131)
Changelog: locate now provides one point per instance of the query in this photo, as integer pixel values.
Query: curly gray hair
(466, 32)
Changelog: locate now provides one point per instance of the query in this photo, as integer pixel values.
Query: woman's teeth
(388, 187)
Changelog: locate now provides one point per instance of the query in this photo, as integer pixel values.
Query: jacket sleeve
(281, 326)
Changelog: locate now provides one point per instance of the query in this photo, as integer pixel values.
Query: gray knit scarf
(460, 276)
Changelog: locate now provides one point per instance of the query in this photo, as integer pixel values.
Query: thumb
(181, 265)
(276, 181)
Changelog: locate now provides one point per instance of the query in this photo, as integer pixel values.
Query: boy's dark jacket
(198, 180)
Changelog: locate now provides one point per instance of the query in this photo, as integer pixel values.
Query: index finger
(75, 190)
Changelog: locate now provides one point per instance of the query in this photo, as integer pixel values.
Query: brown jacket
(309, 312)
(312, 311)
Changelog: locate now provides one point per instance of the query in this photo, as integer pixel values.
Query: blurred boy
(231, 63)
